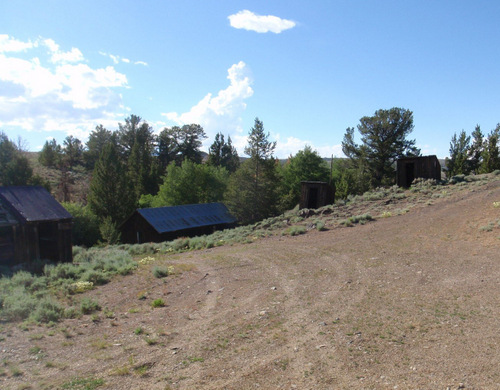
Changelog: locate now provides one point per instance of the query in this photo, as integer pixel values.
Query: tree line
(133, 167)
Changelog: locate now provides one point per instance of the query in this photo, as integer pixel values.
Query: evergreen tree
(384, 140)
(110, 191)
(137, 144)
(475, 151)
(458, 162)
(72, 152)
(491, 152)
(180, 143)
(51, 154)
(252, 190)
(98, 138)
(222, 154)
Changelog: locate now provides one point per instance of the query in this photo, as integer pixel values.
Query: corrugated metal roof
(32, 203)
(173, 218)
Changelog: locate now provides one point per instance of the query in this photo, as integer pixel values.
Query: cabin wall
(316, 194)
(36, 241)
(409, 169)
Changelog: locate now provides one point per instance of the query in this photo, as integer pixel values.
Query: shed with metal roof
(167, 223)
(33, 226)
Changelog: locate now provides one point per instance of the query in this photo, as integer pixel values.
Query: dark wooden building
(315, 194)
(411, 168)
(33, 225)
(168, 223)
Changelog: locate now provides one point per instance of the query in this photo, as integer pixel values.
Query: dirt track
(407, 302)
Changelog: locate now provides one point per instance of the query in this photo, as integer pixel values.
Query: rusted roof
(32, 203)
(173, 218)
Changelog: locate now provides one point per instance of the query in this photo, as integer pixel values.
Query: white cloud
(117, 59)
(259, 23)
(74, 55)
(221, 112)
(291, 145)
(53, 93)
(9, 44)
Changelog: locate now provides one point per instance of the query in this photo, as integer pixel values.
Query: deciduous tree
(306, 165)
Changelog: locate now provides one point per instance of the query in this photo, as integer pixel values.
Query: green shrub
(161, 272)
(294, 230)
(320, 225)
(17, 305)
(109, 231)
(96, 277)
(47, 310)
(88, 306)
(158, 303)
(180, 244)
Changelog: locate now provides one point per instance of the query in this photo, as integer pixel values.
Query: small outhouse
(316, 194)
(411, 168)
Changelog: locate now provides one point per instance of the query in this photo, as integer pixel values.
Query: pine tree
(384, 140)
(110, 192)
(252, 191)
(475, 151)
(458, 162)
(222, 154)
(50, 155)
(491, 152)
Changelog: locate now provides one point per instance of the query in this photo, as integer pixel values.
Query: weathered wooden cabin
(411, 168)
(33, 226)
(168, 223)
(315, 194)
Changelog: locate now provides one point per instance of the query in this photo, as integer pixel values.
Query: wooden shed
(411, 168)
(33, 226)
(168, 223)
(316, 194)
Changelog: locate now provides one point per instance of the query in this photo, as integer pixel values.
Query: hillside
(408, 300)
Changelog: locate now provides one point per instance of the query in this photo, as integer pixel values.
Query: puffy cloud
(55, 91)
(221, 112)
(259, 23)
(9, 44)
(74, 55)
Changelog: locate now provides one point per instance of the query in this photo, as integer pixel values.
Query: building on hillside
(411, 168)
(316, 194)
(33, 226)
(168, 223)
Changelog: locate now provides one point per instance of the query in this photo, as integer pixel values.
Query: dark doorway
(48, 240)
(410, 173)
(6, 245)
(312, 202)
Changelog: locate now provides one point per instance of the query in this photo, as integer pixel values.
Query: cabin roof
(32, 203)
(173, 218)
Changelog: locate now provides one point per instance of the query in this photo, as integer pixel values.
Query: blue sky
(308, 70)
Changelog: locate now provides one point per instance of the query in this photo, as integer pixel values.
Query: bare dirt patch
(405, 302)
